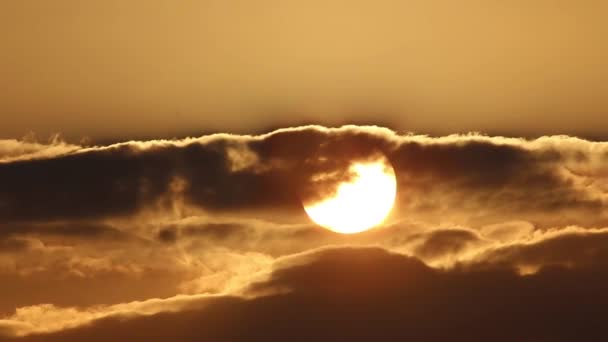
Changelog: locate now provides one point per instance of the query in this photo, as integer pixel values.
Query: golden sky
(117, 69)
(470, 135)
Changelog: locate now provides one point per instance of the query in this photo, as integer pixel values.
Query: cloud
(359, 294)
(47, 318)
(200, 237)
(508, 231)
(12, 150)
(64, 229)
(447, 243)
(470, 179)
(570, 247)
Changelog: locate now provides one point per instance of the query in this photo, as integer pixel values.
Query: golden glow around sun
(359, 204)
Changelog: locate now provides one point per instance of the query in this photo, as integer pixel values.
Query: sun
(359, 204)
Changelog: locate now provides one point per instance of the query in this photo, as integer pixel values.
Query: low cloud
(351, 293)
(470, 179)
(199, 238)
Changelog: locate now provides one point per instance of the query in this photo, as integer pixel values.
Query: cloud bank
(205, 238)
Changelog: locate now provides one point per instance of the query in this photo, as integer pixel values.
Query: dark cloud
(85, 230)
(445, 242)
(370, 294)
(167, 235)
(97, 287)
(574, 248)
(215, 230)
(491, 238)
(207, 231)
(120, 180)
(8, 245)
(447, 177)
(90, 184)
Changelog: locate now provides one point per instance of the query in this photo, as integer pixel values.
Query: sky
(156, 158)
(113, 70)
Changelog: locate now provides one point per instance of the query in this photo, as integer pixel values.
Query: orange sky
(109, 232)
(119, 69)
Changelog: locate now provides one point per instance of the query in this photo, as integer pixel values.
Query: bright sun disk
(359, 204)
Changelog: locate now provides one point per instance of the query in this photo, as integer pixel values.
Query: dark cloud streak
(275, 171)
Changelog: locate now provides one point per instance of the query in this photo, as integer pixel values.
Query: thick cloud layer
(364, 294)
(482, 179)
(205, 238)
